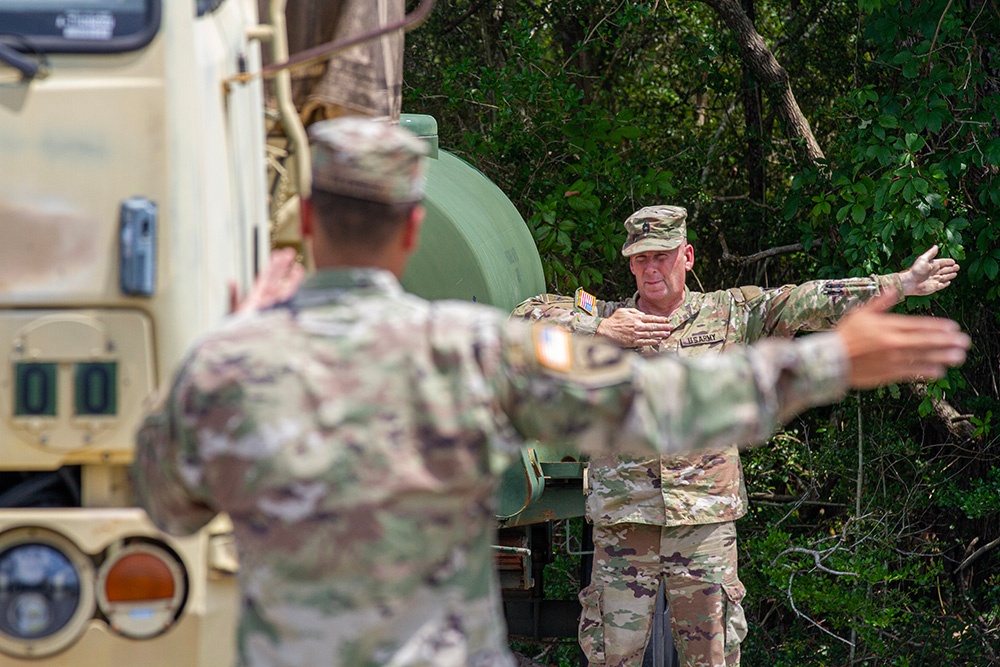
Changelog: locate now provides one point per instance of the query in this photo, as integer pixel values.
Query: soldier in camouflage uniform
(671, 518)
(353, 434)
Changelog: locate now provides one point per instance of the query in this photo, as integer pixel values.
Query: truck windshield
(78, 26)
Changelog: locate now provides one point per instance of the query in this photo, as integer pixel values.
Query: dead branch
(976, 554)
(818, 556)
(781, 499)
(791, 601)
(958, 424)
(746, 260)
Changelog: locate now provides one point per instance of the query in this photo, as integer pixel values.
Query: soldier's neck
(663, 308)
(329, 256)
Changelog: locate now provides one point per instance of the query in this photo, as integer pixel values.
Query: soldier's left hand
(928, 275)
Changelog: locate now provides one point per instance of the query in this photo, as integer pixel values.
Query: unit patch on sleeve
(585, 301)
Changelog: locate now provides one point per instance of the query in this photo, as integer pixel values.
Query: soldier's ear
(411, 231)
(688, 257)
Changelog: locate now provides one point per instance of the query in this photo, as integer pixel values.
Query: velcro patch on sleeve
(553, 348)
(586, 301)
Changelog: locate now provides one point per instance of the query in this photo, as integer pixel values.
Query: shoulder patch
(744, 294)
(585, 301)
(553, 348)
(584, 360)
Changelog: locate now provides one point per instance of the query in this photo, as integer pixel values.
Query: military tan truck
(140, 177)
(132, 193)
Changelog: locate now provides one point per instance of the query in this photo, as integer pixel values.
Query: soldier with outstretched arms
(671, 518)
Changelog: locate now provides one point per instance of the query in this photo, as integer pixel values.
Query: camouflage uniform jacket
(699, 488)
(354, 437)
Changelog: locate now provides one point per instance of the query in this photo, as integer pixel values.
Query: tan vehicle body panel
(156, 122)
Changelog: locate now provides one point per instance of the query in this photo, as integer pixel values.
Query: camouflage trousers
(698, 564)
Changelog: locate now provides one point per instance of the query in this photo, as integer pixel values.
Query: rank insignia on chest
(585, 301)
(701, 339)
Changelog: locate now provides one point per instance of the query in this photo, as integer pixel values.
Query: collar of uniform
(688, 309)
(324, 286)
(378, 280)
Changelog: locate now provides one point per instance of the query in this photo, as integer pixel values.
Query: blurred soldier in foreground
(354, 433)
(672, 518)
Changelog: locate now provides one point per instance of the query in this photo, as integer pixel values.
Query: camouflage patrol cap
(655, 228)
(367, 159)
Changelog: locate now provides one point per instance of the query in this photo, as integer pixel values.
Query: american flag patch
(585, 301)
(552, 348)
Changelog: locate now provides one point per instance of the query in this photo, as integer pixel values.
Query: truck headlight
(46, 592)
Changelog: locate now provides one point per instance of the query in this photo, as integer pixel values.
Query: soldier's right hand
(277, 282)
(884, 347)
(630, 327)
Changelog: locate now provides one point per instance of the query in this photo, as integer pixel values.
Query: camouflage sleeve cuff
(891, 283)
(587, 324)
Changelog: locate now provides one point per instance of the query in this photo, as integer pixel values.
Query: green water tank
(474, 245)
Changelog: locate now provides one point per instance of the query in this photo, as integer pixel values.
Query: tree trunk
(759, 59)
(754, 129)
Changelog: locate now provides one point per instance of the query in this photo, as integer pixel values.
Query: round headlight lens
(46, 592)
(39, 591)
(141, 589)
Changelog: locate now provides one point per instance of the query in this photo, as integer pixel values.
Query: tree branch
(818, 557)
(463, 18)
(937, 31)
(741, 260)
(761, 61)
(976, 554)
(791, 601)
(957, 424)
(784, 499)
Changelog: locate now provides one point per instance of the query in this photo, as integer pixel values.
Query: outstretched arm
(819, 304)
(561, 387)
(884, 347)
(928, 275)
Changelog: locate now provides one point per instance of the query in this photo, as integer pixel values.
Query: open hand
(884, 347)
(928, 275)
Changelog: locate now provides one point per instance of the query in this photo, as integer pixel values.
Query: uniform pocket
(736, 620)
(592, 624)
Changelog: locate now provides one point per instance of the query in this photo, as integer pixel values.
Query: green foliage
(825, 574)
(916, 159)
(976, 499)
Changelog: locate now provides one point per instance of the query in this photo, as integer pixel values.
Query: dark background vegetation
(874, 533)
